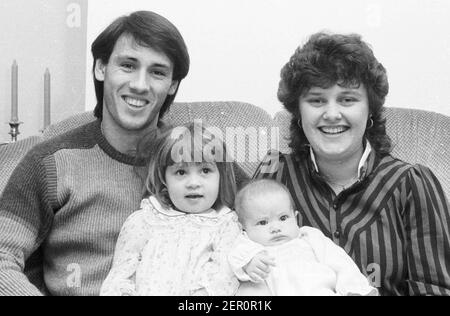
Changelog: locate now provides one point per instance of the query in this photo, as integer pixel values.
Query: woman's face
(334, 120)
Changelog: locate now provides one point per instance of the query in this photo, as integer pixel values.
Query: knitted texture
(418, 137)
(11, 154)
(61, 185)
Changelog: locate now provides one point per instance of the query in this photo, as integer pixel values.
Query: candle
(46, 98)
(14, 96)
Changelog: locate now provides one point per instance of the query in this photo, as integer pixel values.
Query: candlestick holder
(14, 131)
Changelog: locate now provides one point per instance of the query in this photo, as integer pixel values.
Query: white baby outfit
(310, 264)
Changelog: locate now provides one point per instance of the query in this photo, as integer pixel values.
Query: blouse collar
(172, 213)
(362, 166)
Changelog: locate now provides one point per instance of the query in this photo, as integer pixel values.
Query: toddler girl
(178, 242)
(279, 258)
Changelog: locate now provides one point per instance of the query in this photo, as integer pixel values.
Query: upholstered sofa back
(418, 136)
(234, 119)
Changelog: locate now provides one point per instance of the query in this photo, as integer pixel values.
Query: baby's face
(270, 219)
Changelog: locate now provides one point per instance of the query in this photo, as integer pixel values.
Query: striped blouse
(394, 221)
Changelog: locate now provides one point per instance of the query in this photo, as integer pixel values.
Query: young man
(62, 210)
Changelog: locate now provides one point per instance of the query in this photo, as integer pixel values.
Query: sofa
(418, 136)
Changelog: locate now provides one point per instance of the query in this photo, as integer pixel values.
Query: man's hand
(259, 267)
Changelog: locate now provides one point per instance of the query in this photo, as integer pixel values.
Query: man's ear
(99, 70)
(173, 87)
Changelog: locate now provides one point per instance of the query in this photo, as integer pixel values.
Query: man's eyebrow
(127, 57)
(134, 59)
(161, 66)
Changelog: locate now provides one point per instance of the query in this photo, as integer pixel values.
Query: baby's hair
(191, 143)
(257, 188)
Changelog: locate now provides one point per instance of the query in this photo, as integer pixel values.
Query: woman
(391, 217)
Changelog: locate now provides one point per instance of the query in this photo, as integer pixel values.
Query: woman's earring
(299, 123)
(370, 125)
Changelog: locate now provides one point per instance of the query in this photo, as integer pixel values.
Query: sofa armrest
(11, 155)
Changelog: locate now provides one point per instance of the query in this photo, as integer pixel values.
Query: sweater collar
(110, 150)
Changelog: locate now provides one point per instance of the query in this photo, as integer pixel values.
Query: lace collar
(174, 213)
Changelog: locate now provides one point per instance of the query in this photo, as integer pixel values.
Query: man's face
(137, 80)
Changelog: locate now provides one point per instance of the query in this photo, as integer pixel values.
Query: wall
(42, 34)
(239, 46)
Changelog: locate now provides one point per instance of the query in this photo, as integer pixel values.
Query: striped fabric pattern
(394, 222)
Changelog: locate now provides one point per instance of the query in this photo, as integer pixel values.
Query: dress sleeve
(241, 254)
(26, 215)
(121, 280)
(427, 224)
(349, 279)
(217, 279)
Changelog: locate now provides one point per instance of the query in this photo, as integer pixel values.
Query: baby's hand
(199, 292)
(259, 267)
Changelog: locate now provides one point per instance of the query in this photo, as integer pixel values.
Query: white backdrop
(238, 47)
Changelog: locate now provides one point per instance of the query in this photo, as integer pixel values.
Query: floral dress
(166, 252)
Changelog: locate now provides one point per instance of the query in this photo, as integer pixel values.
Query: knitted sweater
(61, 213)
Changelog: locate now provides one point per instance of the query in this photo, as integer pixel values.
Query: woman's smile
(334, 130)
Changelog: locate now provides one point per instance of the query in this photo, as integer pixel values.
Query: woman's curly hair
(326, 60)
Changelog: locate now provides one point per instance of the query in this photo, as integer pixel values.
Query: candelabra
(14, 131)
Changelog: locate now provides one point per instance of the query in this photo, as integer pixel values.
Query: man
(62, 210)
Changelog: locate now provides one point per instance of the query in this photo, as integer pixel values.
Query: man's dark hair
(147, 29)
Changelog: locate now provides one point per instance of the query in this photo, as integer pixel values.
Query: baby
(275, 254)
